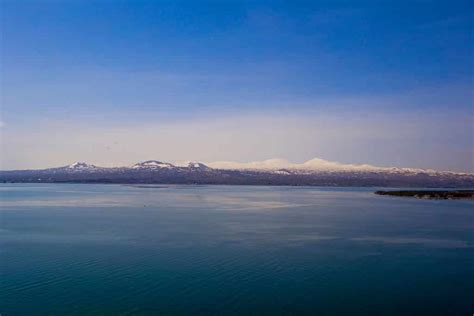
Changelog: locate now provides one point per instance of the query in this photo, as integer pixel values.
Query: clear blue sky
(117, 66)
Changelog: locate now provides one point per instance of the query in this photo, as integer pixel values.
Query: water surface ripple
(231, 250)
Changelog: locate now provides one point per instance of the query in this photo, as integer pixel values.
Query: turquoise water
(241, 250)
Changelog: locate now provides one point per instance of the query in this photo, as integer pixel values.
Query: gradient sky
(388, 83)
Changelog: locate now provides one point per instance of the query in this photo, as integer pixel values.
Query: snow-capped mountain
(268, 172)
(197, 166)
(153, 164)
(157, 165)
(280, 166)
(316, 165)
(81, 166)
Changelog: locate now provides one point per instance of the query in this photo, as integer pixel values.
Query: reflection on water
(112, 249)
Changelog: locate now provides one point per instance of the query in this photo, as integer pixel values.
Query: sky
(388, 83)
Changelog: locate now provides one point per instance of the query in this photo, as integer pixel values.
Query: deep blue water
(242, 250)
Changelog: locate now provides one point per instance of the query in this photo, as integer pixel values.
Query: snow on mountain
(153, 164)
(192, 165)
(197, 165)
(269, 172)
(145, 165)
(81, 166)
(313, 165)
(277, 166)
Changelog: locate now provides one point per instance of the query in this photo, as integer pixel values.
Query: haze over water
(112, 249)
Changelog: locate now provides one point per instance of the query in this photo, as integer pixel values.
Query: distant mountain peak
(81, 165)
(153, 164)
(197, 165)
(269, 172)
(313, 165)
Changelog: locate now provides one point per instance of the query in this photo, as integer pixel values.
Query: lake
(85, 249)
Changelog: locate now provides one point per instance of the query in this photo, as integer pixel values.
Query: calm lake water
(242, 250)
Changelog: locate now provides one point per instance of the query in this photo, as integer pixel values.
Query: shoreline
(431, 194)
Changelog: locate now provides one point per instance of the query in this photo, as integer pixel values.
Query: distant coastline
(429, 194)
(318, 173)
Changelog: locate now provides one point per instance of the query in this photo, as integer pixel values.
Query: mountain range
(315, 172)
